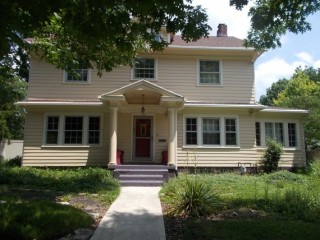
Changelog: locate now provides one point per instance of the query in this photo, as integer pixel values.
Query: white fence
(12, 149)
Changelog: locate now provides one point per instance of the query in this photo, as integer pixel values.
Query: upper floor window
(209, 72)
(144, 68)
(80, 75)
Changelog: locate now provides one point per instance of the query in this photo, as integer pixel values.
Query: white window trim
(220, 73)
(65, 73)
(222, 131)
(61, 131)
(155, 79)
(285, 133)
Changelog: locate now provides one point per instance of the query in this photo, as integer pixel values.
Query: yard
(39, 203)
(280, 205)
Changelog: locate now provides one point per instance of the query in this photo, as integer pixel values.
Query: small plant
(192, 198)
(272, 155)
(15, 162)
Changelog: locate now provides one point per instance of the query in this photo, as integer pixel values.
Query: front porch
(142, 124)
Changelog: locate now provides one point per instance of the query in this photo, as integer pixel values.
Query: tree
(13, 82)
(303, 93)
(273, 92)
(101, 34)
(270, 19)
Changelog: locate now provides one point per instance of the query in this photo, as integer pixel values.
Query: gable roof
(211, 41)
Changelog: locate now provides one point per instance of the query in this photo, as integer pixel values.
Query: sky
(296, 50)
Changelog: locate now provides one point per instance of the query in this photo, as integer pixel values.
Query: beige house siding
(247, 152)
(35, 154)
(179, 74)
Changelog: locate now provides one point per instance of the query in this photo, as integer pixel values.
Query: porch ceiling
(142, 97)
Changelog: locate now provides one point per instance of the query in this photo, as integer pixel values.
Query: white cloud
(219, 11)
(276, 68)
(306, 57)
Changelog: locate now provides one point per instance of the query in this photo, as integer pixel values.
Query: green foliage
(103, 34)
(90, 180)
(303, 93)
(14, 162)
(40, 220)
(284, 176)
(271, 19)
(273, 92)
(13, 76)
(272, 155)
(314, 169)
(191, 197)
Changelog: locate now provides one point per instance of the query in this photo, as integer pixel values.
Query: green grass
(40, 220)
(290, 201)
(31, 211)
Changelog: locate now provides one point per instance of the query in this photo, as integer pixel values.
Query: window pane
(269, 130)
(279, 132)
(77, 75)
(94, 130)
(52, 130)
(292, 134)
(144, 68)
(231, 131)
(191, 131)
(211, 131)
(258, 134)
(209, 72)
(73, 130)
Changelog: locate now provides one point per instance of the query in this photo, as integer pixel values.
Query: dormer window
(144, 68)
(209, 72)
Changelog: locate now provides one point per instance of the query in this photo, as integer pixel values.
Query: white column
(172, 137)
(113, 136)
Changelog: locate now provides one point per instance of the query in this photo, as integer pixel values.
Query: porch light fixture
(142, 108)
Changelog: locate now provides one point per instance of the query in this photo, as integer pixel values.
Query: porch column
(113, 136)
(172, 137)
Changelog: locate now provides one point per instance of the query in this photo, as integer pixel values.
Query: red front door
(143, 137)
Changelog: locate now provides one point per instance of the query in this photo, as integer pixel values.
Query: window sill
(76, 83)
(209, 147)
(146, 79)
(210, 85)
(70, 146)
(287, 149)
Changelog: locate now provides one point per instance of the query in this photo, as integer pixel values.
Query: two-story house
(194, 100)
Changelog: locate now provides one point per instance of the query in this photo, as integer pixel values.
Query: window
(209, 72)
(231, 131)
(144, 68)
(283, 132)
(292, 134)
(52, 130)
(94, 130)
(80, 75)
(274, 131)
(191, 131)
(74, 130)
(258, 134)
(211, 131)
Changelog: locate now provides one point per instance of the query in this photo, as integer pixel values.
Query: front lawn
(281, 205)
(32, 200)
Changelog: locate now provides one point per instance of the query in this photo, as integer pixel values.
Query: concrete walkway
(136, 215)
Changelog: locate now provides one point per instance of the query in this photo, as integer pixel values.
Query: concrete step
(140, 177)
(141, 167)
(140, 183)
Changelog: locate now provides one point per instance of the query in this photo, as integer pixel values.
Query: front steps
(141, 175)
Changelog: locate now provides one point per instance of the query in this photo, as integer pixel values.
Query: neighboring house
(195, 100)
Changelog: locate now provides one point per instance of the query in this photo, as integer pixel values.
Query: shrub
(192, 197)
(15, 162)
(314, 168)
(272, 156)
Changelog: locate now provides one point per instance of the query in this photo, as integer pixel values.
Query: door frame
(152, 142)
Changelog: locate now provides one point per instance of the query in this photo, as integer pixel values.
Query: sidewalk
(136, 214)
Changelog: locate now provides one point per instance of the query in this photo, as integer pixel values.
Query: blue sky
(297, 50)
